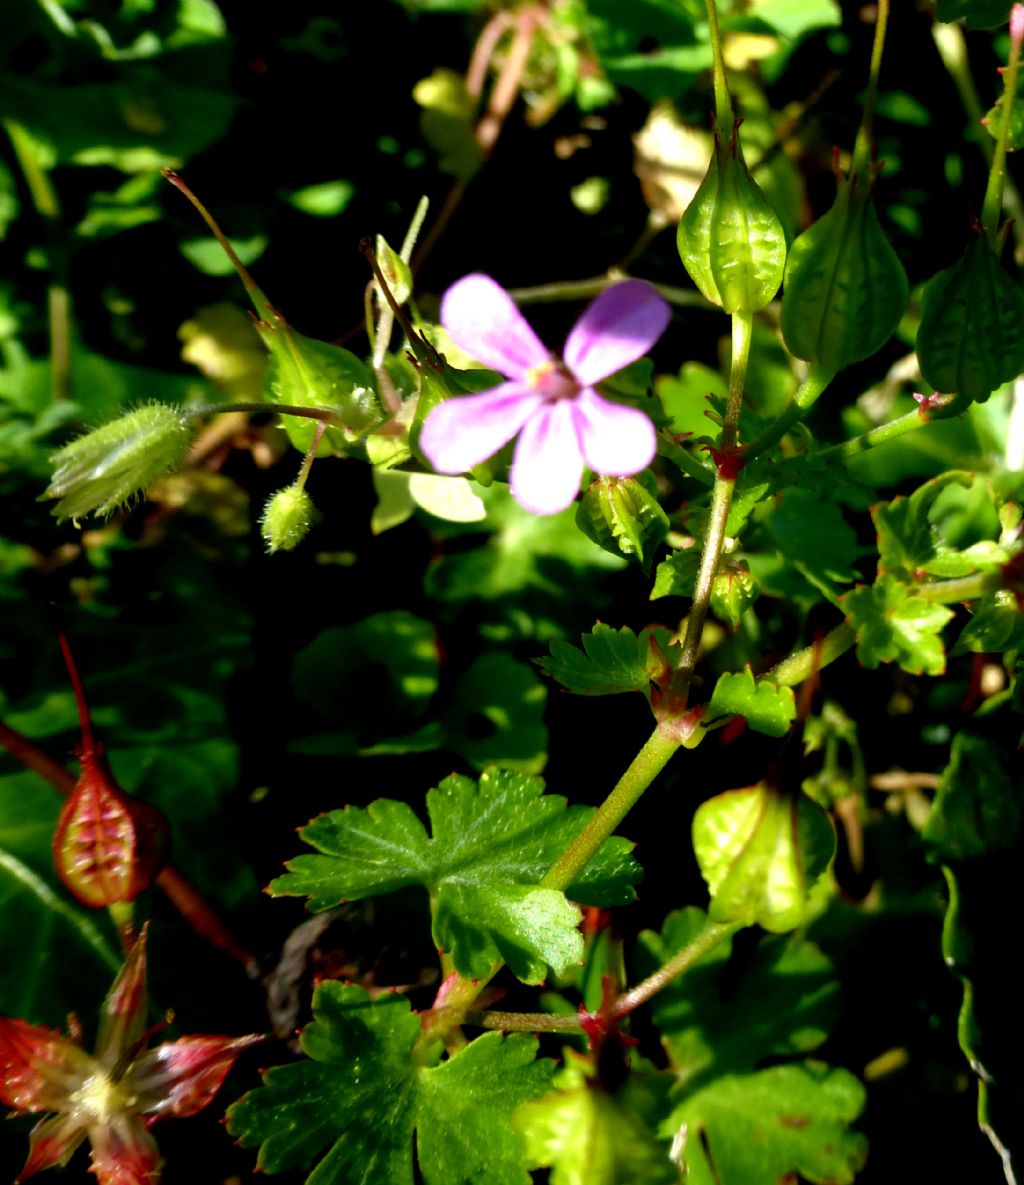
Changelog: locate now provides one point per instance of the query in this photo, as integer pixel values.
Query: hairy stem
(522, 1022)
(801, 665)
(644, 768)
(873, 437)
(710, 935)
(805, 397)
(721, 501)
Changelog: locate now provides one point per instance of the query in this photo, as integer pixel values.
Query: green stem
(802, 665)
(522, 1022)
(705, 940)
(806, 396)
(645, 767)
(310, 457)
(960, 588)
(862, 149)
(685, 461)
(723, 100)
(872, 438)
(992, 208)
(718, 516)
(282, 409)
(561, 290)
(386, 316)
(47, 205)
(263, 307)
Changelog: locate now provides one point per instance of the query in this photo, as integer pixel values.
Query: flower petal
(548, 464)
(616, 440)
(464, 431)
(39, 1067)
(124, 1153)
(180, 1077)
(483, 320)
(52, 1142)
(618, 327)
(123, 1017)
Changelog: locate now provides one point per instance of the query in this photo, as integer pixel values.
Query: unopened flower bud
(286, 519)
(103, 469)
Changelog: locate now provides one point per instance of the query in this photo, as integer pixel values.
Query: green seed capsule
(846, 289)
(971, 337)
(730, 239)
(286, 519)
(104, 469)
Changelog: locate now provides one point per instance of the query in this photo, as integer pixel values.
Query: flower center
(99, 1099)
(553, 380)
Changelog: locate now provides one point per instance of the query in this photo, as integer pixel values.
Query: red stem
(90, 750)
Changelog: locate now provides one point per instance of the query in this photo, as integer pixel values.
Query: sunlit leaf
(361, 1125)
(760, 1129)
(483, 865)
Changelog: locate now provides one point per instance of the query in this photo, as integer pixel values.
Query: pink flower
(561, 420)
(110, 1097)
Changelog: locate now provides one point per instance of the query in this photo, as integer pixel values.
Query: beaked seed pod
(971, 337)
(730, 239)
(105, 468)
(846, 289)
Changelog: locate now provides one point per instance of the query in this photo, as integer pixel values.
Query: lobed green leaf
(491, 845)
(610, 662)
(781, 1001)
(358, 1102)
(895, 625)
(764, 1128)
(767, 707)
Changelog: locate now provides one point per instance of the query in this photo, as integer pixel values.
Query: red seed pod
(108, 847)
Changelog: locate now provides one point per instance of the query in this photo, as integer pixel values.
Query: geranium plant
(648, 708)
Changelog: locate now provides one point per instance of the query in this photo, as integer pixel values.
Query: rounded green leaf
(761, 852)
(846, 289)
(971, 338)
(730, 239)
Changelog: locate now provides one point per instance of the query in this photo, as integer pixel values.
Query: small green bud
(846, 289)
(733, 591)
(396, 272)
(730, 239)
(971, 337)
(104, 469)
(621, 515)
(286, 519)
